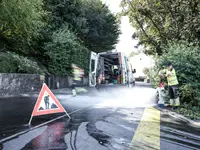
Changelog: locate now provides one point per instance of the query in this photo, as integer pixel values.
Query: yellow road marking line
(147, 135)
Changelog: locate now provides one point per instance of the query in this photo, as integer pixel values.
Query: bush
(192, 112)
(65, 49)
(13, 63)
(185, 59)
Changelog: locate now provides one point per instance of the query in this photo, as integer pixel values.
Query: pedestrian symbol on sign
(46, 100)
(47, 103)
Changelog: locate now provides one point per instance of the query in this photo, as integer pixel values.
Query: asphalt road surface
(110, 119)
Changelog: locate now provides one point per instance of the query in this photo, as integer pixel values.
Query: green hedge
(65, 49)
(13, 63)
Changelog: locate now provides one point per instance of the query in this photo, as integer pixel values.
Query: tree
(20, 23)
(103, 29)
(55, 33)
(93, 22)
(63, 50)
(21, 18)
(158, 22)
(65, 11)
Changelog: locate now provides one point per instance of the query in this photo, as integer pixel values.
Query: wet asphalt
(100, 120)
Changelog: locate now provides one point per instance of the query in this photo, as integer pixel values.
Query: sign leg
(68, 115)
(30, 120)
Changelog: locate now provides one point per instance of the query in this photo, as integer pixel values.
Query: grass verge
(192, 112)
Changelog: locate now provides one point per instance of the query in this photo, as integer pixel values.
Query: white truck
(110, 68)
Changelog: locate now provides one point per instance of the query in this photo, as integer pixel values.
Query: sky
(126, 43)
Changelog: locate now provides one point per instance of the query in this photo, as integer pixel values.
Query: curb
(25, 94)
(179, 116)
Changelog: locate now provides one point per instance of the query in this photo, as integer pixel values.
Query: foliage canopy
(158, 22)
(56, 33)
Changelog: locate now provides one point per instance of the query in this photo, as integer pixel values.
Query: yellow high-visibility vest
(172, 79)
(76, 74)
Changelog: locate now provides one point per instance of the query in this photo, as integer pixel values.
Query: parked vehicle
(110, 68)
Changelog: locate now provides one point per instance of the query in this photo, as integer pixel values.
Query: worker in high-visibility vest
(76, 78)
(172, 80)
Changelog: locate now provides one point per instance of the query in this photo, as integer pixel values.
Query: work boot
(177, 102)
(73, 92)
(171, 102)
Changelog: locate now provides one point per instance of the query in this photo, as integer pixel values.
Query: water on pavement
(106, 120)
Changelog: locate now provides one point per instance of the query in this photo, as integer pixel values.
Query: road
(111, 119)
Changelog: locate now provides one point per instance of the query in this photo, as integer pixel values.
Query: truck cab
(109, 68)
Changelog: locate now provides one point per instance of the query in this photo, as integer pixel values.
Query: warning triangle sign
(47, 103)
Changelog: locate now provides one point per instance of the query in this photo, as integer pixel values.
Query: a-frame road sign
(47, 103)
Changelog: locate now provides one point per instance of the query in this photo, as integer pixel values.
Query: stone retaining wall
(13, 83)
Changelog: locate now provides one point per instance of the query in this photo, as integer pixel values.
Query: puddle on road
(51, 138)
(54, 136)
(97, 134)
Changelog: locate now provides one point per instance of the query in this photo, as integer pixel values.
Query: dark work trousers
(75, 83)
(173, 91)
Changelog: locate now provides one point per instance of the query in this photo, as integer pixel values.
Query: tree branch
(141, 27)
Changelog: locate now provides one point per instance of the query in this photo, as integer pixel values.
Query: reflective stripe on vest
(172, 79)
